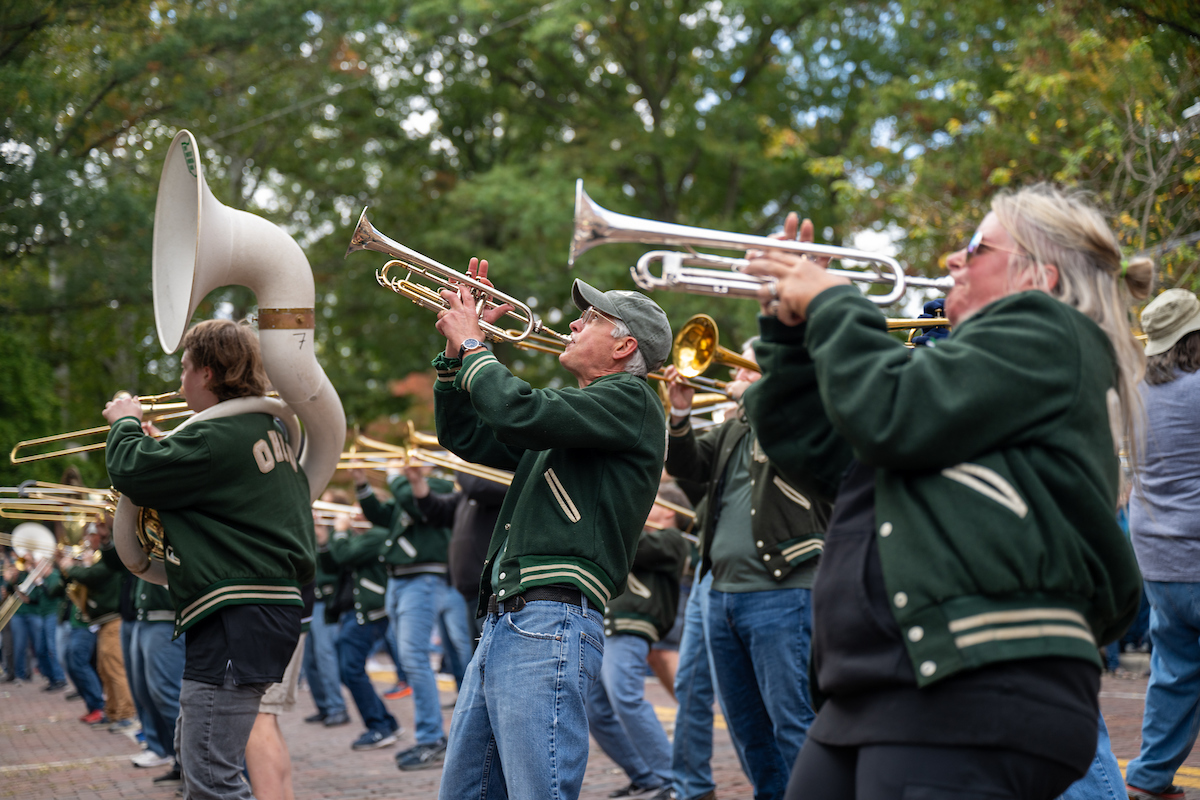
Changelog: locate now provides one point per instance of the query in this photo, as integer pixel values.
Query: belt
(412, 570)
(557, 594)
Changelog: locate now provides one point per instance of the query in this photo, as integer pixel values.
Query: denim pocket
(532, 621)
(591, 656)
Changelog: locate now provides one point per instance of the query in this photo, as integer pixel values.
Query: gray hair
(636, 364)
(1054, 227)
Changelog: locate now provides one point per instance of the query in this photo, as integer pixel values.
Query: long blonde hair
(1064, 229)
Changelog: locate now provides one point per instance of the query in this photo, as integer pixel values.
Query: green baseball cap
(1167, 318)
(646, 321)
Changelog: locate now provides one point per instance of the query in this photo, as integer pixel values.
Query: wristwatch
(469, 344)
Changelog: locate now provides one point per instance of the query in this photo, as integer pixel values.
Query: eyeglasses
(594, 313)
(977, 243)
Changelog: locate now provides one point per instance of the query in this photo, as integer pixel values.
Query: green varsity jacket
(587, 464)
(234, 506)
(650, 601)
(996, 476)
(103, 592)
(788, 515)
(412, 546)
(152, 602)
(43, 598)
(363, 556)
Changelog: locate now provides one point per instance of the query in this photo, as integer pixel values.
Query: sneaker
(149, 758)
(337, 718)
(317, 717)
(373, 740)
(54, 686)
(72, 695)
(423, 756)
(94, 718)
(126, 725)
(668, 793)
(398, 691)
(1170, 793)
(635, 790)
(169, 778)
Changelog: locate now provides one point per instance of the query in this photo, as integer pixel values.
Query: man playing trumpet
(587, 462)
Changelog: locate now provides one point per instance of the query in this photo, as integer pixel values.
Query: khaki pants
(110, 663)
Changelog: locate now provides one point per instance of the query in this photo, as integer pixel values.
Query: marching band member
(102, 611)
(973, 562)
(759, 555)
(587, 463)
(620, 718)
(239, 542)
(415, 552)
(363, 626)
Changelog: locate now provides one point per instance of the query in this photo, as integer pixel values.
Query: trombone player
(587, 462)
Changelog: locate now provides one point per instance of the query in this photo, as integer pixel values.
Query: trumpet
(701, 273)
(486, 297)
(155, 408)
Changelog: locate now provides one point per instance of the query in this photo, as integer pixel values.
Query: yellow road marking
(1184, 776)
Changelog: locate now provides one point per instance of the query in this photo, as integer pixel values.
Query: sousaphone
(201, 244)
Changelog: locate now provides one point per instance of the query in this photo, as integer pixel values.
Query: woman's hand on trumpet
(798, 278)
(460, 322)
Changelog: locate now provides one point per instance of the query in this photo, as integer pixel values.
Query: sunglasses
(977, 243)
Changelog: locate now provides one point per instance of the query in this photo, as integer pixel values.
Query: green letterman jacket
(363, 556)
(648, 606)
(996, 476)
(413, 546)
(103, 592)
(788, 515)
(234, 505)
(587, 464)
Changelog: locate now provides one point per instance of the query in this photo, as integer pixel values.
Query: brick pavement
(46, 753)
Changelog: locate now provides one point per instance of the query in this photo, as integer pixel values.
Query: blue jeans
(456, 632)
(413, 604)
(81, 650)
(622, 722)
(1103, 780)
(691, 752)
(1172, 715)
(760, 644)
(38, 631)
(155, 676)
(321, 663)
(355, 644)
(520, 727)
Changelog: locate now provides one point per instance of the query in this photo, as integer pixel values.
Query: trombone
(55, 502)
(156, 408)
(366, 237)
(701, 273)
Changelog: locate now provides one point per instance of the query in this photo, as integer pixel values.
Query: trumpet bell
(697, 347)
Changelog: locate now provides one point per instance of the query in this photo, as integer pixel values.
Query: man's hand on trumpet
(798, 278)
(122, 406)
(459, 322)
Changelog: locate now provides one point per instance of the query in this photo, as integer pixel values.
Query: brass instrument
(54, 502)
(701, 273)
(155, 408)
(416, 449)
(697, 347)
(486, 297)
(28, 539)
